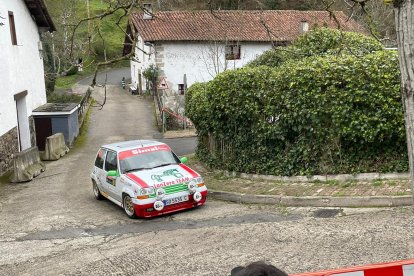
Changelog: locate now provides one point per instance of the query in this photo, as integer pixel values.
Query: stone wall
(8, 145)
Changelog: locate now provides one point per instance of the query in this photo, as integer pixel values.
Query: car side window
(110, 161)
(100, 159)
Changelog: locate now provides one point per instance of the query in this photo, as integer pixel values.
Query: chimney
(148, 11)
(304, 26)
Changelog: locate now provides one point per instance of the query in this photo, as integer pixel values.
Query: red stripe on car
(137, 180)
(193, 173)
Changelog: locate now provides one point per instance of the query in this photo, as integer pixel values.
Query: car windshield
(148, 161)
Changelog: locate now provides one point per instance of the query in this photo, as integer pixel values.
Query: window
(181, 88)
(12, 28)
(233, 51)
(100, 159)
(280, 43)
(110, 161)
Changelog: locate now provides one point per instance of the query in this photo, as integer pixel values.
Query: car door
(99, 172)
(112, 182)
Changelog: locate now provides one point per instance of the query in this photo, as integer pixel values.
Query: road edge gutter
(314, 201)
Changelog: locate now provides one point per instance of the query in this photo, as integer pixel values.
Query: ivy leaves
(323, 113)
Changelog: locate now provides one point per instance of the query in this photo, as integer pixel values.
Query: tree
(403, 10)
(405, 37)
(81, 34)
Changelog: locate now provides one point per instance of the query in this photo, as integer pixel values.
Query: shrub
(63, 98)
(324, 41)
(330, 114)
(319, 42)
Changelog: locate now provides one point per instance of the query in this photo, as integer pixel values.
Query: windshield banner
(129, 153)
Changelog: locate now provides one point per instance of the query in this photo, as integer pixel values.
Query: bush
(63, 98)
(317, 115)
(319, 42)
(324, 41)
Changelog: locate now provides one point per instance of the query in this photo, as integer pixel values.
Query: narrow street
(54, 226)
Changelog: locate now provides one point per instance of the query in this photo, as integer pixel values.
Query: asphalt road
(54, 226)
(112, 77)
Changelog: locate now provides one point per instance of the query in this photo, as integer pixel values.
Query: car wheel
(96, 191)
(128, 206)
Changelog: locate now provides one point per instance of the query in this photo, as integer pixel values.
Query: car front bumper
(147, 210)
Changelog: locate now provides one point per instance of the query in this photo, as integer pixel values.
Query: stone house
(21, 74)
(194, 46)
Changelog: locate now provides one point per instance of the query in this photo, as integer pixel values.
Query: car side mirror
(112, 173)
(184, 159)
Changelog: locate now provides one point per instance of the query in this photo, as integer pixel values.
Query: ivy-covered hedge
(320, 42)
(316, 115)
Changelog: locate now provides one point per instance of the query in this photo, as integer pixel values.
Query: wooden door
(43, 130)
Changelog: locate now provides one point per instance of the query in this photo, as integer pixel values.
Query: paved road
(113, 77)
(54, 226)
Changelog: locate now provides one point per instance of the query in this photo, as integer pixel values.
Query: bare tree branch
(123, 7)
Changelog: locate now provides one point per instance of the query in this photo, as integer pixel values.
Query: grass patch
(392, 183)
(66, 82)
(349, 183)
(332, 182)
(401, 193)
(81, 139)
(377, 183)
(339, 194)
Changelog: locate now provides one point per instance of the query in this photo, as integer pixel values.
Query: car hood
(163, 176)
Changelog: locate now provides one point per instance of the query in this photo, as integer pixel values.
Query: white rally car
(146, 179)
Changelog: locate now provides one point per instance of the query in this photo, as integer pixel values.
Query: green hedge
(316, 115)
(319, 42)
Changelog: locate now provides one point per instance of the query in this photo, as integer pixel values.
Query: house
(193, 46)
(21, 74)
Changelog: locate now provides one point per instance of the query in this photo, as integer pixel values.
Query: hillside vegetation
(94, 41)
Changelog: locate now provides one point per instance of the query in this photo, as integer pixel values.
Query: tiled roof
(242, 25)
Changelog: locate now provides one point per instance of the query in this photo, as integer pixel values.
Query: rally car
(146, 179)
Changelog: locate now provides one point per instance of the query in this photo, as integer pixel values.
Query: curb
(322, 178)
(190, 136)
(315, 201)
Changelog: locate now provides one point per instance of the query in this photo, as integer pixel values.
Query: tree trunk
(404, 20)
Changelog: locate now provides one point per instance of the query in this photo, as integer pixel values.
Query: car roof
(129, 145)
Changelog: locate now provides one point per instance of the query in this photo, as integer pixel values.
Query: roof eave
(42, 18)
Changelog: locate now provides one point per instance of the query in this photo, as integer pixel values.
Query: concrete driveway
(54, 226)
(112, 76)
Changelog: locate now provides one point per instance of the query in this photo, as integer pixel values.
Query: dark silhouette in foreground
(257, 269)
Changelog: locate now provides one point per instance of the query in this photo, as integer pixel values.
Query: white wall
(200, 61)
(21, 67)
(142, 61)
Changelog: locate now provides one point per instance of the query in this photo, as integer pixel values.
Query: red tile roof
(242, 25)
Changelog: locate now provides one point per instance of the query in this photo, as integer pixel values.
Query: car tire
(96, 191)
(128, 206)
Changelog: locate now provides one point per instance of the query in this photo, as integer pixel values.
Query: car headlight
(146, 191)
(197, 180)
(194, 183)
